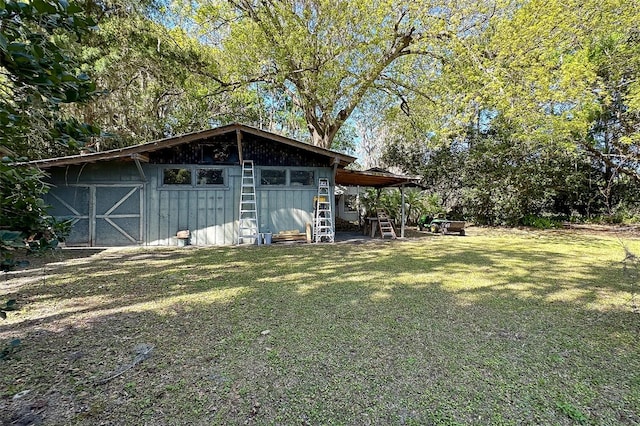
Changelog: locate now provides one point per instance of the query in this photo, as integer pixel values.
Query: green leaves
(328, 57)
(25, 225)
(551, 87)
(41, 72)
(21, 206)
(45, 7)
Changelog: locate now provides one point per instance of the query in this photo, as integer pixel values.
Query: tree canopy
(555, 80)
(329, 56)
(437, 87)
(39, 75)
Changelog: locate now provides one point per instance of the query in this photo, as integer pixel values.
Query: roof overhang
(137, 152)
(374, 179)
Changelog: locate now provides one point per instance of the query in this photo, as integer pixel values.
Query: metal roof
(136, 151)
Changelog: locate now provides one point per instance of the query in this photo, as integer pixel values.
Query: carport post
(402, 220)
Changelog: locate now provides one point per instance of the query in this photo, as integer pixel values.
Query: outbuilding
(146, 194)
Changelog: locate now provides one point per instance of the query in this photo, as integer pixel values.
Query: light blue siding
(104, 201)
(153, 213)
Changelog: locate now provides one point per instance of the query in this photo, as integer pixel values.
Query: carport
(378, 178)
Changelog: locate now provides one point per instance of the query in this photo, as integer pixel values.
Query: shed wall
(112, 205)
(211, 214)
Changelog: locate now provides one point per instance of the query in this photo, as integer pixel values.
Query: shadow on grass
(390, 333)
(114, 280)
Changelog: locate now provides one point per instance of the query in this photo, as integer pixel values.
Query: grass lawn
(498, 327)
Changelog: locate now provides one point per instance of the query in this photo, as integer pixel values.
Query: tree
(39, 75)
(561, 84)
(614, 134)
(155, 81)
(572, 75)
(492, 178)
(328, 56)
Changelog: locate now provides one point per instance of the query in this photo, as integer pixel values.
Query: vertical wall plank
(211, 215)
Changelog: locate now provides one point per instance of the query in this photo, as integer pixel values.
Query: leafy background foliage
(40, 76)
(505, 112)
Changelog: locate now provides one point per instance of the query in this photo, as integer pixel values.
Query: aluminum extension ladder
(323, 220)
(248, 219)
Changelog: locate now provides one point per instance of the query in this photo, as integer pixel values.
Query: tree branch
(607, 159)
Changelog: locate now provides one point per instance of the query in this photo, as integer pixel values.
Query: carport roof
(374, 178)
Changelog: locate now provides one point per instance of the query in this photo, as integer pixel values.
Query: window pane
(273, 177)
(176, 177)
(351, 203)
(221, 153)
(301, 177)
(210, 177)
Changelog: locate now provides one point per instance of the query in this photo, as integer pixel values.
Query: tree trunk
(322, 134)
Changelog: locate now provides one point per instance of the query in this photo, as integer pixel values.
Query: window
(351, 203)
(301, 177)
(220, 153)
(176, 177)
(210, 177)
(273, 177)
(199, 177)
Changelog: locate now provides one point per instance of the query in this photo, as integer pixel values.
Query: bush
(25, 225)
(417, 203)
(541, 222)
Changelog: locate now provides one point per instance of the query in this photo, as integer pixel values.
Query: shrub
(541, 222)
(25, 225)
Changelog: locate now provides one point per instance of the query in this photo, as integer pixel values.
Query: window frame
(287, 182)
(275, 169)
(223, 175)
(193, 170)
